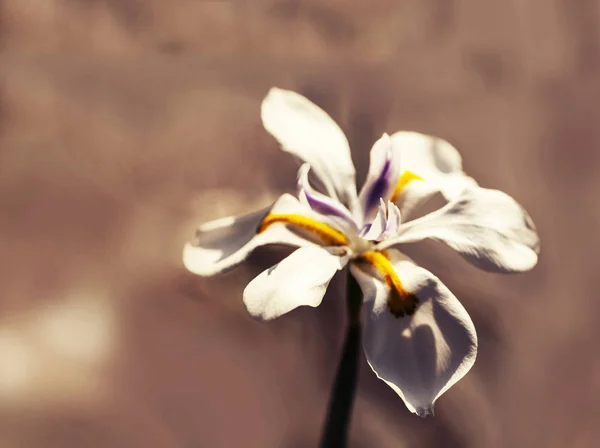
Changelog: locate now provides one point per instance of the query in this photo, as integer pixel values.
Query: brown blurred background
(124, 123)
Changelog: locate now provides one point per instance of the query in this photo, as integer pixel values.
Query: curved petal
(305, 130)
(487, 227)
(224, 243)
(300, 279)
(419, 356)
(323, 204)
(384, 171)
(432, 159)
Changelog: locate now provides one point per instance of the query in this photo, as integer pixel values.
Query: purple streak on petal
(365, 230)
(325, 207)
(319, 202)
(381, 185)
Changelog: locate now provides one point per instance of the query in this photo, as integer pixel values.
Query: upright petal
(393, 220)
(434, 161)
(419, 356)
(305, 130)
(300, 279)
(487, 227)
(224, 243)
(375, 229)
(384, 170)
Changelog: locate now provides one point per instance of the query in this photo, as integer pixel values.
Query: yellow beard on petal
(329, 235)
(401, 302)
(405, 178)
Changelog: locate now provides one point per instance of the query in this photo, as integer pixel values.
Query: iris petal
(384, 171)
(487, 227)
(420, 356)
(222, 244)
(301, 279)
(434, 161)
(308, 132)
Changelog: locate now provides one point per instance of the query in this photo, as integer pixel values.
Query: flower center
(359, 245)
(400, 303)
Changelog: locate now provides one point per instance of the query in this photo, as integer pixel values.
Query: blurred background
(125, 123)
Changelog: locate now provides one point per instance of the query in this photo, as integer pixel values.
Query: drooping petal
(224, 243)
(305, 130)
(384, 170)
(422, 355)
(487, 227)
(323, 204)
(433, 160)
(300, 279)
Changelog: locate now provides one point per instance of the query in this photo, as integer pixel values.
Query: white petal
(419, 198)
(436, 161)
(305, 130)
(224, 243)
(384, 171)
(487, 227)
(377, 227)
(300, 279)
(393, 220)
(423, 355)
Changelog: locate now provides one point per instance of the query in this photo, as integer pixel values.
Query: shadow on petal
(420, 357)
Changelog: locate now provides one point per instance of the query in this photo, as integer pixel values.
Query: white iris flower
(418, 338)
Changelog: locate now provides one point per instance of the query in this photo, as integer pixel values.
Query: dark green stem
(341, 400)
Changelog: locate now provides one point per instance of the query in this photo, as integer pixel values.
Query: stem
(341, 400)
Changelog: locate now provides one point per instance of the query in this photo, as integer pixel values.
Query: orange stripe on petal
(329, 235)
(401, 302)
